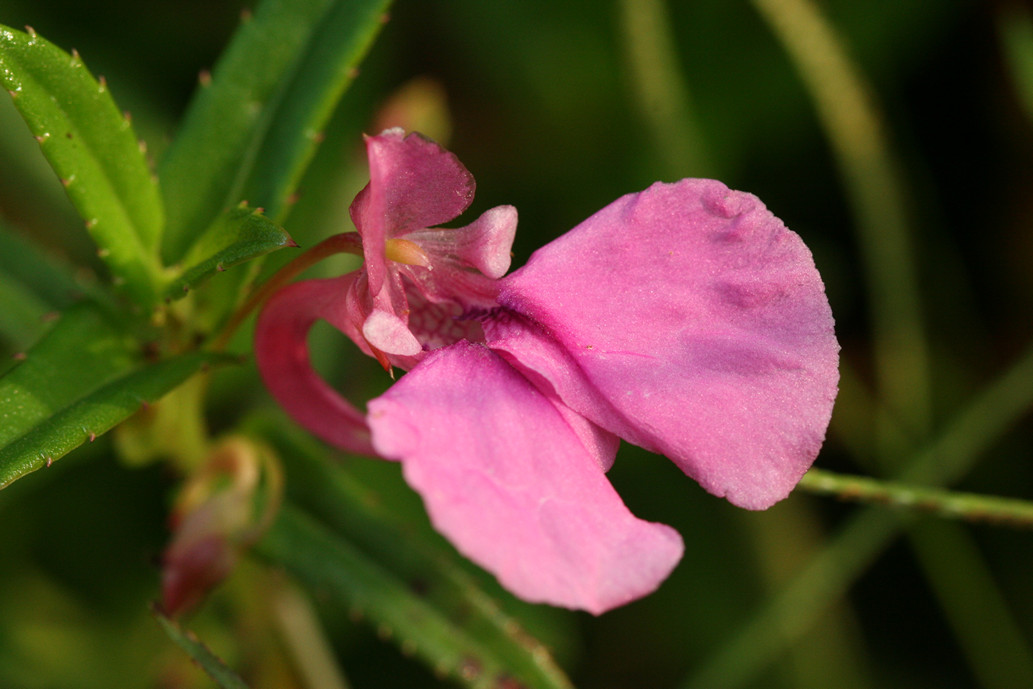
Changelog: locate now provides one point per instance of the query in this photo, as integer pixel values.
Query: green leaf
(82, 351)
(250, 132)
(51, 280)
(205, 659)
(32, 286)
(22, 315)
(345, 544)
(327, 68)
(451, 644)
(236, 236)
(92, 148)
(83, 378)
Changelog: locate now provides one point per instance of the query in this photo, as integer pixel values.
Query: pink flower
(686, 319)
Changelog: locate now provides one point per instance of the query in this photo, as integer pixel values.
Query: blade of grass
(876, 191)
(306, 640)
(326, 562)
(979, 614)
(1015, 27)
(784, 543)
(660, 90)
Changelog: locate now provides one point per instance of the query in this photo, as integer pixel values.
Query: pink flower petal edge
(693, 324)
(505, 477)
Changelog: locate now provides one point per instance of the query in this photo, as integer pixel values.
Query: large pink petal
(702, 324)
(414, 184)
(281, 352)
(514, 486)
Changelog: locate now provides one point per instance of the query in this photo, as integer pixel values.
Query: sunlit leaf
(92, 147)
(84, 377)
(236, 236)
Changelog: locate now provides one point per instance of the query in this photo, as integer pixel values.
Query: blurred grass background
(558, 108)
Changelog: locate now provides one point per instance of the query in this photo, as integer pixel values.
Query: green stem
(306, 640)
(943, 503)
(792, 612)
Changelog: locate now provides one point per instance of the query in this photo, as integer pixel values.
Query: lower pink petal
(507, 479)
(281, 352)
(693, 323)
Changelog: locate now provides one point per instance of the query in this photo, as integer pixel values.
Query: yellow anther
(404, 251)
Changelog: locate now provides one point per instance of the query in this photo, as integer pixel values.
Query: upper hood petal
(413, 184)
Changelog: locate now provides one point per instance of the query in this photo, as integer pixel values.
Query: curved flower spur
(686, 319)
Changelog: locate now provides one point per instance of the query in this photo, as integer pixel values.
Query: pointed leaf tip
(239, 235)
